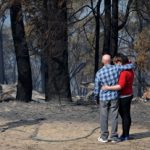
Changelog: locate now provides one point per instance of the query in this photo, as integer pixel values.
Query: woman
(126, 94)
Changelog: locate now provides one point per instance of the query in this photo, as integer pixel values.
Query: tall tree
(58, 84)
(114, 28)
(107, 26)
(44, 62)
(97, 35)
(2, 74)
(24, 87)
(96, 14)
(139, 71)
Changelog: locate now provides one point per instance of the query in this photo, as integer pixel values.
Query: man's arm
(97, 87)
(121, 83)
(125, 67)
(112, 88)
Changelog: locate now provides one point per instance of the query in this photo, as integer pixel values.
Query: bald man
(108, 75)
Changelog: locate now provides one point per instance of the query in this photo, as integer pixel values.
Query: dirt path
(51, 127)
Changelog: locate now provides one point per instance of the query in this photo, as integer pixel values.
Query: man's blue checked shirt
(108, 75)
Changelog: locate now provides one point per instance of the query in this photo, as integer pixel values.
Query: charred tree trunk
(107, 27)
(58, 85)
(44, 43)
(139, 80)
(2, 74)
(43, 74)
(24, 87)
(114, 28)
(97, 35)
(139, 71)
(111, 27)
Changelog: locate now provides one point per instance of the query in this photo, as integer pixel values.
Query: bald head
(106, 59)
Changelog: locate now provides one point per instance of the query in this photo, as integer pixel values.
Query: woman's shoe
(124, 138)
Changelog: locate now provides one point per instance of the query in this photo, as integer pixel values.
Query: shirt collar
(107, 65)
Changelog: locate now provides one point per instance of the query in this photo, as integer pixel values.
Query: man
(108, 75)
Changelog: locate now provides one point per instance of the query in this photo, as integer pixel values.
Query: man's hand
(105, 87)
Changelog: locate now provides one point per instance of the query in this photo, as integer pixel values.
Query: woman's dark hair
(121, 58)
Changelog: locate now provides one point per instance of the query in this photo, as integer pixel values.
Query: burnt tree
(58, 85)
(107, 27)
(96, 14)
(44, 43)
(24, 87)
(112, 26)
(97, 35)
(2, 74)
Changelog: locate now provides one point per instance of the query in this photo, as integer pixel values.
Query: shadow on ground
(20, 123)
(141, 135)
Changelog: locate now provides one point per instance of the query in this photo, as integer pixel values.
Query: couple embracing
(113, 88)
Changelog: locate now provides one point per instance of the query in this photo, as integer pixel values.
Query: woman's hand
(105, 87)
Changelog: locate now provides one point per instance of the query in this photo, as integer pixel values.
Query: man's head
(106, 59)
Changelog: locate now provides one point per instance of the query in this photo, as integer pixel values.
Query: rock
(91, 86)
(8, 92)
(1, 92)
(38, 96)
(146, 94)
(90, 95)
(139, 99)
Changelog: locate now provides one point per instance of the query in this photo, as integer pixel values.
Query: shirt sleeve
(125, 67)
(122, 79)
(97, 85)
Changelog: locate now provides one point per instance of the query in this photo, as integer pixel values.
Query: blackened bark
(44, 43)
(24, 87)
(97, 35)
(107, 27)
(114, 30)
(126, 15)
(43, 74)
(58, 77)
(2, 74)
(140, 87)
(111, 27)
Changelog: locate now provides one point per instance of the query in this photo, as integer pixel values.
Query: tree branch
(126, 15)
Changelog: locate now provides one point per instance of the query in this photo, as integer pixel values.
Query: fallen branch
(41, 139)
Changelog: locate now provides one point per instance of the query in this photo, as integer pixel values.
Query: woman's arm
(121, 83)
(113, 88)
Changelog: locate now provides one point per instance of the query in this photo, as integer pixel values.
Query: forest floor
(47, 126)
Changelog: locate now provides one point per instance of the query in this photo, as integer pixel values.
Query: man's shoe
(102, 140)
(115, 140)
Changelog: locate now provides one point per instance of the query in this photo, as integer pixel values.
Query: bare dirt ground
(48, 126)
